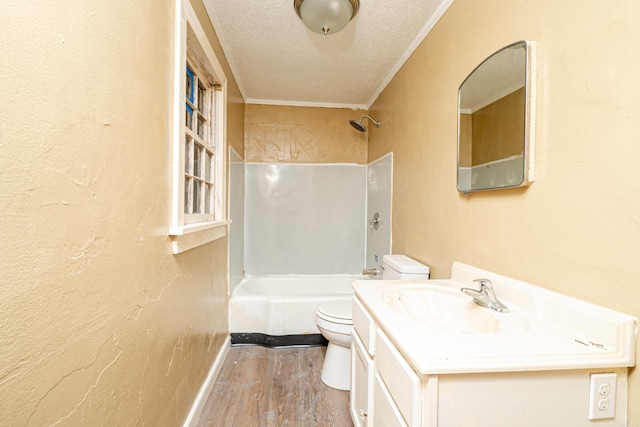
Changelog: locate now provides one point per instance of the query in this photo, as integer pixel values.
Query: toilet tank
(401, 267)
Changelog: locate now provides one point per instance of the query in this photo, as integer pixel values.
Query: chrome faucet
(486, 296)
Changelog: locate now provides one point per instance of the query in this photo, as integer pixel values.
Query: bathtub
(284, 305)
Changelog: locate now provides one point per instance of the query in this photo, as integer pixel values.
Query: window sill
(193, 235)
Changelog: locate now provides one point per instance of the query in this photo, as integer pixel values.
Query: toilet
(334, 321)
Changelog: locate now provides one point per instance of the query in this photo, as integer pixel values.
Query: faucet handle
(486, 288)
(484, 283)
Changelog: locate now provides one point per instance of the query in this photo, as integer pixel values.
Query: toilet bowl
(335, 323)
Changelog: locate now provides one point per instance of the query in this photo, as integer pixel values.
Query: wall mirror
(495, 121)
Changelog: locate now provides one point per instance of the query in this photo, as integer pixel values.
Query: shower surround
(306, 234)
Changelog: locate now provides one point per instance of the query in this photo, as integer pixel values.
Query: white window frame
(188, 231)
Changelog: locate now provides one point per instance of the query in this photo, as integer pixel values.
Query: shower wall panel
(304, 218)
(236, 215)
(379, 185)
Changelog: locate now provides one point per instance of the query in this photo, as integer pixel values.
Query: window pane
(189, 118)
(196, 160)
(201, 99)
(187, 156)
(196, 196)
(201, 126)
(190, 84)
(208, 204)
(187, 201)
(207, 167)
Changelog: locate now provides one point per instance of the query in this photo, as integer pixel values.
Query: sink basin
(449, 309)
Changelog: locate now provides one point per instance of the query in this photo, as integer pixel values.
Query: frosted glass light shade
(326, 16)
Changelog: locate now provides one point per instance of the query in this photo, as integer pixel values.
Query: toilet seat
(336, 312)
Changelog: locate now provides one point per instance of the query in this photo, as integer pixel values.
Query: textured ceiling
(277, 60)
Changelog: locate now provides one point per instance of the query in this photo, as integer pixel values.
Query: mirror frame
(529, 118)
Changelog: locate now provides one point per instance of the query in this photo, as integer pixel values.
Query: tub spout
(370, 272)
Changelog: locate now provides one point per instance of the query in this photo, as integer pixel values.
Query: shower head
(357, 126)
(360, 127)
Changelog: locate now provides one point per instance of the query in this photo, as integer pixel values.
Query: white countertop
(560, 332)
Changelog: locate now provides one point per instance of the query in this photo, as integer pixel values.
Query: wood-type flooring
(265, 387)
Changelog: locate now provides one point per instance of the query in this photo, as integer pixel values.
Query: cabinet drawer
(401, 381)
(364, 325)
(386, 412)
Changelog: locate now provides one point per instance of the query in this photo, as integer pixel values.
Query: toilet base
(336, 369)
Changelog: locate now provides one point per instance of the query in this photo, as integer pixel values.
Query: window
(199, 146)
(199, 175)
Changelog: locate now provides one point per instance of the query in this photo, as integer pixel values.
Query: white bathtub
(284, 305)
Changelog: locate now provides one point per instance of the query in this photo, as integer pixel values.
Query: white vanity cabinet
(387, 390)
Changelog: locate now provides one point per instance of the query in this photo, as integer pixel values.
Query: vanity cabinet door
(361, 384)
(400, 379)
(386, 413)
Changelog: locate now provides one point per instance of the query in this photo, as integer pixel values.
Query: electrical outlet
(602, 396)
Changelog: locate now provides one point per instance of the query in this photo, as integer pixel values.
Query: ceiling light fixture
(326, 16)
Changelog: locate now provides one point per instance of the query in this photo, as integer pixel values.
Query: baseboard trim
(207, 385)
(301, 340)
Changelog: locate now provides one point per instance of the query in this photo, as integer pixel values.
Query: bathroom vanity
(424, 354)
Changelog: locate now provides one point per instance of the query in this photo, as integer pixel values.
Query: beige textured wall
(576, 229)
(99, 323)
(303, 135)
